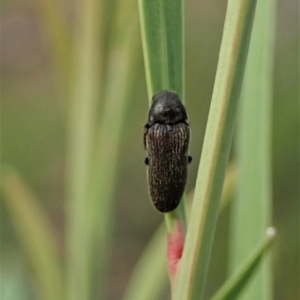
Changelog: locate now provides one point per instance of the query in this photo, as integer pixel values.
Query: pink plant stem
(175, 249)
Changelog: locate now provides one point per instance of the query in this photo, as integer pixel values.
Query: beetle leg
(146, 127)
(189, 159)
(146, 161)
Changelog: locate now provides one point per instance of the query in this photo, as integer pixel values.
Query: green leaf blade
(174, 28)
(149, 276)
(233, 287)
(252, 210)
(35, 235)
(162, 36)
(217, 142)
(153, 41)
(85, 92)
(120, 76)
(93, 154)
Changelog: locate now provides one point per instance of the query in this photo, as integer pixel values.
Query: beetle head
(167, 108)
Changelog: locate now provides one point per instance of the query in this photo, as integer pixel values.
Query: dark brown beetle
(166, 139)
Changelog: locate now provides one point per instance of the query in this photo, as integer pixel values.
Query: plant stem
(162, 37)
(217, 142)
(252, 210)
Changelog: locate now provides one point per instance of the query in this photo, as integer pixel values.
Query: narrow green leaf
(150, 275)
(219, 131)
(228, 191)
(121, 72)
(233, 287)
(35, 234)
(229, 185)
(252, 210)
(85, 94)
(95, 159)
(162, 37)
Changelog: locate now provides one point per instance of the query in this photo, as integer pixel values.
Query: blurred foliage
(253, 206)
(34, 103)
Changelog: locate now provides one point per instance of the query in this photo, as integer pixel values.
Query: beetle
(166, 140)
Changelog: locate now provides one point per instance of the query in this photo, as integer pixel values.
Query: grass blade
(233, 287)
(85, 92)
(95, 157)
(252, 210)
(150, 276)
(229, 186)
(219, 131)
(35, 235)
(121, 71)
(162, 37)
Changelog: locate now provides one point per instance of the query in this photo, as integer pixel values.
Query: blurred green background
(35, 111)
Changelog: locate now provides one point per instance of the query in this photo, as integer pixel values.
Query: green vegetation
(77, 80)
